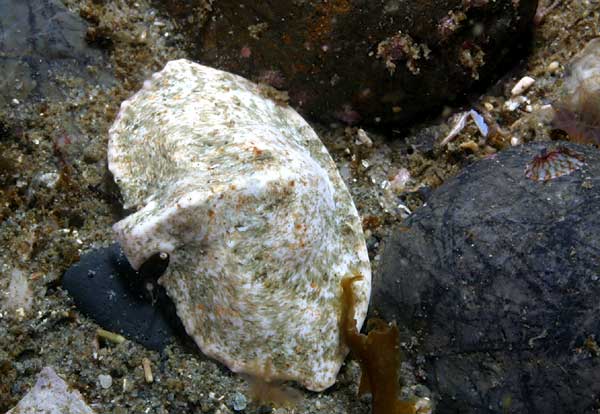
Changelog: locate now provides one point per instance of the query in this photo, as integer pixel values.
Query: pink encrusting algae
(553, 164)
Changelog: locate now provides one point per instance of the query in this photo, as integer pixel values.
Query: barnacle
(550, 165)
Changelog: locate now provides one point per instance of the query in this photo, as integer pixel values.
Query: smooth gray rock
(51, 395)
(43, 52)
(495, 282)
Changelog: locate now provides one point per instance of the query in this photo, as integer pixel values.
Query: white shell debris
(461, 122)
(258, 224)
(20, 295)
(51, 395)
(522, 85)
(363, 138)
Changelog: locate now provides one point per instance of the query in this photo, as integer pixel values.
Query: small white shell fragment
(514, 103)
(105, 381)
(461, 121)
(363, 138)
(480, 122)
(553, 67)
(258, 224)
(20, 295)
(398, 183)
(51, 395)
(522, 85)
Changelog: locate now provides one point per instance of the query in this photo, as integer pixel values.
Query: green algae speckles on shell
(259, 226)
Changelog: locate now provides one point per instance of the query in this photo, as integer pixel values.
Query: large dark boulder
(44, 54)
(496, 284)
(357, 60)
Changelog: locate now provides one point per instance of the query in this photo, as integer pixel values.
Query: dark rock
(106, 288)
(43, 51)
(495, 282)
(359, 61)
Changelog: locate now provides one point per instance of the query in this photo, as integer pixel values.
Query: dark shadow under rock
(496, 282)
(106, 288)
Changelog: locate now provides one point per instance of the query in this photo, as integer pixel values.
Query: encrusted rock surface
(259, 226)
(495, 282)
(43, 51)
(364, 61)
(51, 395)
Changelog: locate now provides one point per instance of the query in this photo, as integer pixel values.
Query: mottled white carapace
(258, 224)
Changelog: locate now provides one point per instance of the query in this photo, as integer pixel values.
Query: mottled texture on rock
(42, 49)
(259, 226)
(51, 395)
(495, 282)
(364, 61)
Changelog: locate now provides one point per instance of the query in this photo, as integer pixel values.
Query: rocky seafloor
(67, 66)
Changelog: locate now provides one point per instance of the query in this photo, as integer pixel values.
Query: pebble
(238, 401)
(400, 180)
(105, 381)
(51, 395)
(514, 103)
(553, 67)
(363, 138)
(522, 85)
(49, 180)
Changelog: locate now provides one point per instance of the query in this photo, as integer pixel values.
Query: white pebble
(105, 381)
(514, 103)
(363, 138)
(400, 180)
(522, 85)
(49, 180)
(514, 141)
(553, 67)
